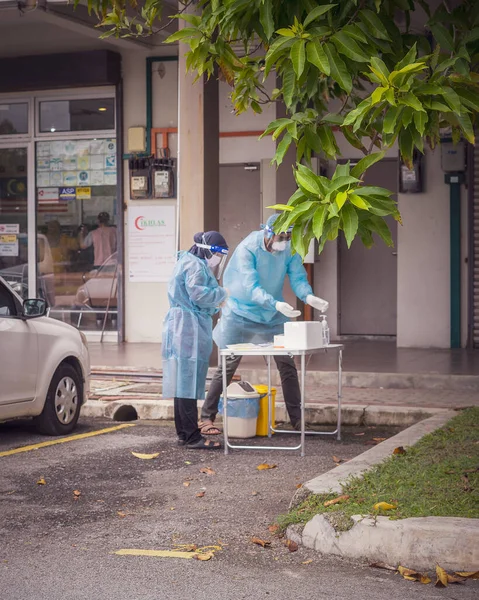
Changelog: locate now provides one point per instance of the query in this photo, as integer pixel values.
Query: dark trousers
(289, 382)
(186, 420)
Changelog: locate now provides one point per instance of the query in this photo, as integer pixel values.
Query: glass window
(13, 118)
(88, 114)
(76, 220)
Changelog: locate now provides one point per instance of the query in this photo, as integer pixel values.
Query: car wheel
(62, 406)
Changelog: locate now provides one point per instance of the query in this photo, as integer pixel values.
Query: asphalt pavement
(58, 538)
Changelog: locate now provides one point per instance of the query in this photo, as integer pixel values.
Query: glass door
(16, 251)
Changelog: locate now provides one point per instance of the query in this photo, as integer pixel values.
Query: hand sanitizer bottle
(325, 328)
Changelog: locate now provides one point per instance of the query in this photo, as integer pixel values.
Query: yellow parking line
(72, 438)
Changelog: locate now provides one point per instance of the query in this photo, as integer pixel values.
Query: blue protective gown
(194, 296)
(254, 279)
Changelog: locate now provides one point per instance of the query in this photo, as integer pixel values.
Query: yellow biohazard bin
(262, 423)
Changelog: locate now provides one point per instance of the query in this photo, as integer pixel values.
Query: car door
(18, 351)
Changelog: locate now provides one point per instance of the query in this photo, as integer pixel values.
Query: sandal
(204, 445)
(208, 428)
(180, 441)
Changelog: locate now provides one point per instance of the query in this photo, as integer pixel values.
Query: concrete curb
(418, 543)
(428, 381)
(316, 414)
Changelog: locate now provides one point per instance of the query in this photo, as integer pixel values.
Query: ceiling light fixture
(102, 109)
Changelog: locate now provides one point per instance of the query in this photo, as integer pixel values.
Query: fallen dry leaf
(379, 440)
(382, 565)
(254, 493)
(186, 483)
(121, 513)
(454, 579)
(204, 555)
(399, 450)
(383, 506)
(264, 466)
(337, 460)
(468, 574)
(412, 575)
(337, 500)
(76, 493)
(207, 471)
(307, 562)
(260, 542)
(362, 433)
(425, 578)
(442, 579)
(42, 481)
(273, 529)
(200, 494)
(188, 462)
(291, 546)
(145, 456)
(299, 486)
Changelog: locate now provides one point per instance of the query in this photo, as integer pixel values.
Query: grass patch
(439, 476)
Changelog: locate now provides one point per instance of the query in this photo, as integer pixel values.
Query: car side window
(7, 303)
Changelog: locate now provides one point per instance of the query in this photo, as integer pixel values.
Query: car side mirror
(33, 308)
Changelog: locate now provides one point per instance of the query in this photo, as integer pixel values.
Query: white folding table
(268, 352)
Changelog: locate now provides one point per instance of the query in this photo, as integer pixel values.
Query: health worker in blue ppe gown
(194, 296)
(256, 311)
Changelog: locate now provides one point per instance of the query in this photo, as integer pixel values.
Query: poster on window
(151, 243)
(76, 162)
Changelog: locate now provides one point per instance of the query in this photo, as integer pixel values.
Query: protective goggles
(280, 237)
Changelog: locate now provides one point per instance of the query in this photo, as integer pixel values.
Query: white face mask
(279, 246)
(214, 261)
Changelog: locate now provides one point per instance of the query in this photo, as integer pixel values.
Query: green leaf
(275, 125)
(319, 219)
(348, 47)
(289, 81)
(266, 18)
(312, 139)
(282, 148)
(372, 190)
(374, 24)
(181, 34)
(281, 207)
(380, 67)
(358, 112)
(317, 57)
(297, 198)
(407, 115)
(277, 48)
(333, 118)
(358, 202)
(298, 57)
(349, 218)
(298, 212)
(467, 128)
(406, 146)
(411, 100)
(442, 36)
(339, 70)
(342, 170)
(307, 180)
(452, 99)
(408, 59)
(390, 119)
(379, 226)
(354, 32)
(328, 141)
(377, 95)
(382, 206)
(317, 12)
(366, 162)
(469, 99)
(286, 33)
(340, 199)
(420, 120)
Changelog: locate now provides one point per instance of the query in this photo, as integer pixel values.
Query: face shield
(216, 257)
(277, 242)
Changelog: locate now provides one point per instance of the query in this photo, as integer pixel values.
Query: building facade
(79, 117)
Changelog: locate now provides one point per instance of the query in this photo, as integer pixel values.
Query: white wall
(423, 263)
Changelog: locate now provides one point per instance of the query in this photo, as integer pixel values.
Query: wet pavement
(58, 539)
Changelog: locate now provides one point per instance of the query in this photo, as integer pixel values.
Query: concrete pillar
(198, 153)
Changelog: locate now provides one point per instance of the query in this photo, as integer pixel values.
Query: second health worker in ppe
(256, 311)
(194, 296)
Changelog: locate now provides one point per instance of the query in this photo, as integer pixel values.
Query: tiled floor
(362, 356)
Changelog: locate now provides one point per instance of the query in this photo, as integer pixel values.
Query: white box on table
(303, 335)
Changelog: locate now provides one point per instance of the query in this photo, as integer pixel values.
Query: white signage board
(151, 243)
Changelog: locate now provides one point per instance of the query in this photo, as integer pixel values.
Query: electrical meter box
(453, 157)
(139, 178)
